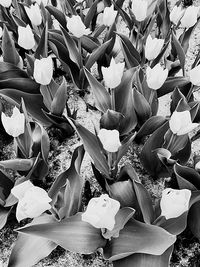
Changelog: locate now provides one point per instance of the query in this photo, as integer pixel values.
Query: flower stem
(112, 98)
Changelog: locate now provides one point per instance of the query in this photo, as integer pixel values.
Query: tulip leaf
(101, 95)
(111, 120)
(48, 92)
(138, 237)
(90, 14)
(142, 107)
(35, 247)
(89, 43)
(6, 184)
(176, 97)
(180, 52)
(25, 85)
(17, 164)
(15, 73)
(42, 50)
(72, 234)
(57, 14)
(145, 260)
(4, 213)
(92, 146)
(194, 219)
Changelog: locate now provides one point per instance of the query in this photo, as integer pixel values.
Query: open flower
(194, 75)
(34, 14)
(76, 26)
(176, 14)
(190, 16)
(101, 212)
(25, 37)
(139, 9)
(109, 139)
(109, 15)
(14, 125)
(112, 75)
(153, 47)
(156, 76)
(181, 123)
(33, 200)
(6, 3)
(174, 202)
(43, 70)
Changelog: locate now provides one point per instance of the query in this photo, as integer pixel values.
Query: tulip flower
(14, 125)
(194, 75)
(34, 14)
(112, 75)
(33, 200)
(101, 212)
(43, 70)
(176, 14)
(156, 76)
(109, 139)
(174, 202)
(139, 9)
(76, 26)
(6, 3)
(100, 7)
(181, 123)
(25, 37)
(109, 16)
(190, 17)
(153, 47)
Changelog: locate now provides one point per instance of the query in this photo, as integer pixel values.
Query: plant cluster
(42, 38)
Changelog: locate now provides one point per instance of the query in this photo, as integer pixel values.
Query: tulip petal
(19, 190)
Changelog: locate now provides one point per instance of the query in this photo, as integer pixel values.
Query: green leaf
(138, 237)
(111, 120)
(48, 92)
(4, 213)
(17, 164)
(6, 184)
(42, 49)
(72, 234)
(179, 51)
(142, 107)
(90, 14)
(194, 219)
(57, 14)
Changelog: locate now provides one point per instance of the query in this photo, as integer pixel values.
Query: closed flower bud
(112, 75)
(194, 75)
(153, 47)
(109, 139)
(34, 14)
(174, 202)
(6, 3)
(139, 9)
(76, 26)
(190, 17)
(43, 70)
(101, 212)
(176, 14)
(33, 200)
(26, 37)
(156, 76)
(109, 15)
(14, 125)
(181, 123)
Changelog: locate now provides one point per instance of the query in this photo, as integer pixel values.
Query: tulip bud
(100, 7)
(43, 70)
(174, 202)
(33, 200)
(109, 139)
(6, 3)
(109, 16)
(190, 16)
(25, 37)
(181, 123)
(194, 75)
(139, 9)
(101, 212)
(176, 14)
(112, 75)
(76, 26)
(14, 125)
(153, 47)
(34, 14)
(156, 76)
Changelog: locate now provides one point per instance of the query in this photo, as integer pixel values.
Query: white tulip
(34, 14)
(6, 3)
(181, 123)
(33, 200)
(26, 37)
(109, 139)
(139, 9)
(190, 17)
(14, 125)
(43, 70)
(156, 76)
(194, 75)
(101, 212)
(176, 14)
(153, 47)
(174, 202)
(76, 26)
(113, 74)
(109, 16)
